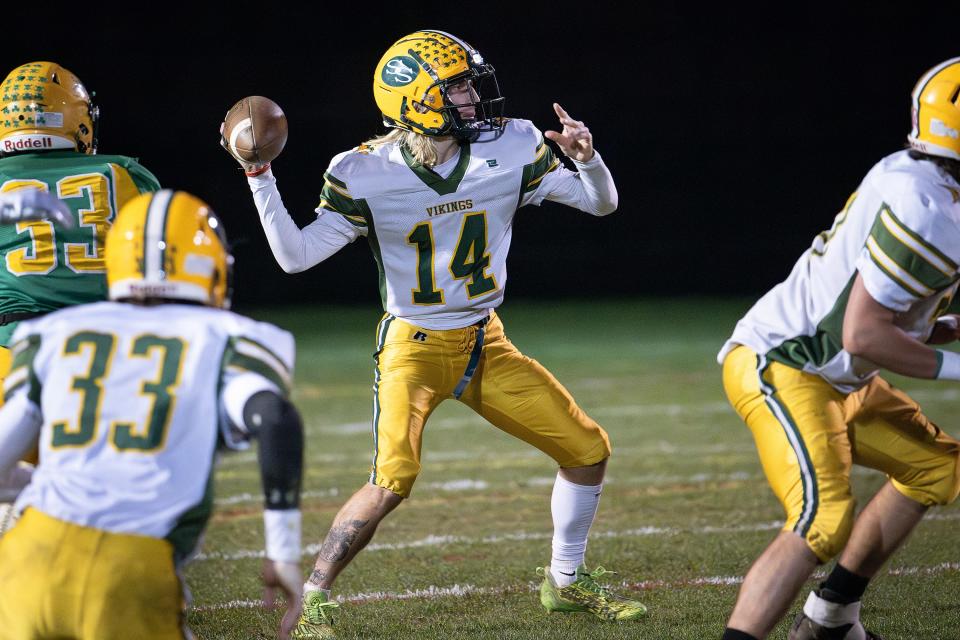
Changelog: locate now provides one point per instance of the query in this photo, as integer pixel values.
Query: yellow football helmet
(169, 245)
(411, 81)
(42, 107)
(936, 111)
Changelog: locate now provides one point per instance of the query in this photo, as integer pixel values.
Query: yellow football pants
(6, 361)
(60, 580)
(418, 368)
(809, 435)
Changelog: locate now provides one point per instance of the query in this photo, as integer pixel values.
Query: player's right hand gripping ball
(254, 132)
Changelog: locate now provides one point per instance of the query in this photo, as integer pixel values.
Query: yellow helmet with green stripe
(168, 245)
(411, 81)
(45, 107)
(936, 111)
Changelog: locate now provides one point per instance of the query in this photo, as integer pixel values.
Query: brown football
(256, 129)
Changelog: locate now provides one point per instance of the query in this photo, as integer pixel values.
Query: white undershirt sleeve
(297, 249)
(590, 189)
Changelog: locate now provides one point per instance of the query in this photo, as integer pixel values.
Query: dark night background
(734, 136)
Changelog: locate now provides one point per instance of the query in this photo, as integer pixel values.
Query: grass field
(684, 512)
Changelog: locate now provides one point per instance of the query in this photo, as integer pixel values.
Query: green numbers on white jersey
(100, 349)
(470, 260)
(426, 291)
(125, 435)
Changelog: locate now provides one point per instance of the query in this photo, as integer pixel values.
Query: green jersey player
(48, 141)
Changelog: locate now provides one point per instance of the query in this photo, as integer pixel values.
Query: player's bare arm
(869, 332)
(575, 140)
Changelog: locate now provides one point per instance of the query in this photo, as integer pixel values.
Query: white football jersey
(441, 243)
(130, 398)
(901, 232)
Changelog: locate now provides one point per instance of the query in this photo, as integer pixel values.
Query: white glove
(24, 205)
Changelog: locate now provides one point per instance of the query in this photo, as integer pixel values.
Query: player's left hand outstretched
(575, 140)
(287, 578)
(25, 205)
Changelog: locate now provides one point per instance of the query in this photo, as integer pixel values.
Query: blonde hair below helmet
(44, 107)
(168, 245)
(936, 111)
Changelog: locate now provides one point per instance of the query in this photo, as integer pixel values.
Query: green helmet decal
(399, 71)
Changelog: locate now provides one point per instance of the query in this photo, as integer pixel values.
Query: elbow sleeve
(279, 428)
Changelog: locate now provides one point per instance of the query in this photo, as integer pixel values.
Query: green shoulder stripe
(335, 197)
(335, 180)
(544, 162)
(248, 355)
(22, 370)
(912, 262)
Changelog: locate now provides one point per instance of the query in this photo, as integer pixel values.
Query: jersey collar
(442, 186)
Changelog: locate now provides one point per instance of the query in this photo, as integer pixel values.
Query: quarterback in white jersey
(436, 198)
(802, 370)
(131, 400)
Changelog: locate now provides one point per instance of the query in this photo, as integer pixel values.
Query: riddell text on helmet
(22, 143)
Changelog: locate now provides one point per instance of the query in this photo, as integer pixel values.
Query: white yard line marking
(459, 591)
(436, 541)
(258, 497)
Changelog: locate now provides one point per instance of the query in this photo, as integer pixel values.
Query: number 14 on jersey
(470, 260)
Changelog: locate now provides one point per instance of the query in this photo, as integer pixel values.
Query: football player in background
(435, 198)
(802, 370)
(129, 399)
(48, 142)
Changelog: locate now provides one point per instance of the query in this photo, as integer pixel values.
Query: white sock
(831, 614)
(574, 506)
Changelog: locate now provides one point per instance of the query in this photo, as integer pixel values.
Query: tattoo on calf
(337, 544)
(317, 577)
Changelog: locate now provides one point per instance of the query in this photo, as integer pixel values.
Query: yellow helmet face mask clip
(412, 82)
(936, 111)
(168, 246)
(45, 107)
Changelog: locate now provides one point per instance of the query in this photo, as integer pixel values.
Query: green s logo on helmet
(399, 71)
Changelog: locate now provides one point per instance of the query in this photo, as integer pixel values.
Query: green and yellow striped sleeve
(21, 371)
(543, 163)
(336, 197)
(246, 355)
(917, 266)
